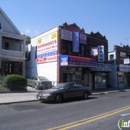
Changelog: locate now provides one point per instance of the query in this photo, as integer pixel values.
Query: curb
(17, 102)
(107, 92)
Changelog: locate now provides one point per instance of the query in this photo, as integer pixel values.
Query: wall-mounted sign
(63, 60)
(76, 61)
(83, 38)
(76, 43)
(102, 67)
(124, 68)
(94, 52)
(74, 29)
(101, 53)
(127, 61)
(67, 35)
(122, 54)
(47, 48)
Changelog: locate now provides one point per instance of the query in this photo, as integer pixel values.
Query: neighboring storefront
(123, 75)
(101, 75)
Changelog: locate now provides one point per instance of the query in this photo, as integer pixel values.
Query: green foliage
(3, 89)
(28, 39)
(15, 82)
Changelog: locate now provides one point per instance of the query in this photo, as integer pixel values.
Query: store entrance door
(64, 77)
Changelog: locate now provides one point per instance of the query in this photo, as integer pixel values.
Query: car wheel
(58, 98)
(36, 87)
(85, 95)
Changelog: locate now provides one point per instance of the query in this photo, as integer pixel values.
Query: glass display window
(122, 79)
(100, 80)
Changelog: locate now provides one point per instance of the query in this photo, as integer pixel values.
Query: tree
(28, 39)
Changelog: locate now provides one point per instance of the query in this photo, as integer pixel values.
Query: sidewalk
(17, 97)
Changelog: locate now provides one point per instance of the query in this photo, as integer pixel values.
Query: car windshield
(60, 86)
(43, 78)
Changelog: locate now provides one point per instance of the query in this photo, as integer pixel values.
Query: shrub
(15, 82)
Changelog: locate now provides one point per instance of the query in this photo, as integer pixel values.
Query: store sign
(94, 52)
(122, 54)
(124, 68)
(83, 38)
(101, 53)
(76, 42)
(77, 61)
(47, 48)
(63, 60)
(102, 67)
(74, 29)
(127, 61)
(67, 35)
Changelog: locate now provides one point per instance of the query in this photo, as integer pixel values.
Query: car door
(70, 91)
(79, 89)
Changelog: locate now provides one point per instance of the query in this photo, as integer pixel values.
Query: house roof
(9, 21)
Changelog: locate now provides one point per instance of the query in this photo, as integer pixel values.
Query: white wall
(48, 69)
(111, 53)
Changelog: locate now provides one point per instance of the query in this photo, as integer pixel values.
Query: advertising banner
(76, 42)
(77, 61)
(101, 53)
(47, 48)
(67, 35)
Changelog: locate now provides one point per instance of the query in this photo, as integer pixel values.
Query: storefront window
(100, 80)
(122, 79)
(75, 74)
(70, 74)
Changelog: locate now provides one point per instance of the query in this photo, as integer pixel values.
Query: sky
(109, 17)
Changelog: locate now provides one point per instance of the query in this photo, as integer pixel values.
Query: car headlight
(46, 94)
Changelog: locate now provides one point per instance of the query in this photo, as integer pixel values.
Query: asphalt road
(100, 112)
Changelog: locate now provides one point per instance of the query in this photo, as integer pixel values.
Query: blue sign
(63, 60)
(47, 54)
(76, 41)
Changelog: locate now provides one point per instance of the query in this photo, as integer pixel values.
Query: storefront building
(101, 75)
(120, 74)
(61, 55)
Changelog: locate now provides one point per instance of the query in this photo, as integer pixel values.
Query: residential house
(12, 47)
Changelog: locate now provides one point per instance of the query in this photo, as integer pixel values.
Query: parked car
(39, 82)
(63, 91)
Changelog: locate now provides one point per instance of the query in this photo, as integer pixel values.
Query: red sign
(74, 29)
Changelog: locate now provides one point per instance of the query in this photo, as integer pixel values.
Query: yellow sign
(39, 41)
(54, 35)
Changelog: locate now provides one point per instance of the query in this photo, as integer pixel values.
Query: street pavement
(30, 95)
